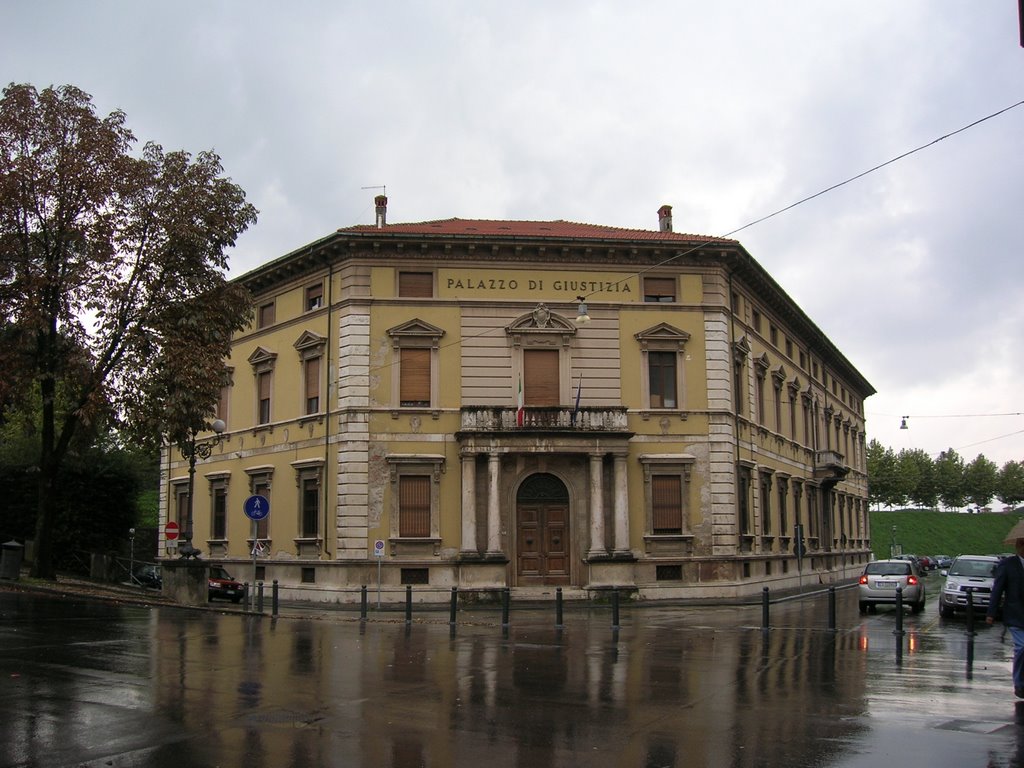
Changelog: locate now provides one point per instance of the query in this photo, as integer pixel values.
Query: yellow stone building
(490, 404)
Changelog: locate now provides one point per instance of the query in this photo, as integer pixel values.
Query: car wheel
(863, 607)
(945, 612)
(917, 607)
(236, 599)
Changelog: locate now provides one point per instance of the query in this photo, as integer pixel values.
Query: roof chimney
(665, 218)
(382, 210)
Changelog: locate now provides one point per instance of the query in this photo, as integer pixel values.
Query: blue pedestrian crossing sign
(257, 507)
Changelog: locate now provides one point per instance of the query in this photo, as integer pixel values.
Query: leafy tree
(883, 475)
(101, 252)
(917, 475)
(949, 479)
(980, 480)
(1010, 483)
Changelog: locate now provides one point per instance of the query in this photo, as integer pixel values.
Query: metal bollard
(764, 608)
(454, 606)
(615, 608)
(259, 598)
(408, 604)
(899, 612)
(506, 599)
(970, 612)
(362, 603)
(558, 607)
(273, 601)
(832, 608)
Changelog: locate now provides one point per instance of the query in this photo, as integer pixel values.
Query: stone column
(597, 547)
(621, 508)
(469, 504)
(493, 504)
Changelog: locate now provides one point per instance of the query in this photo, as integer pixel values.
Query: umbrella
(1017, 532)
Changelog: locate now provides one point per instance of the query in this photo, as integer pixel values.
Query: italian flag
(520, 411)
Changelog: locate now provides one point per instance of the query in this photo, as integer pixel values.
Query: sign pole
(256, 508)
(255, 546)
(378, 552)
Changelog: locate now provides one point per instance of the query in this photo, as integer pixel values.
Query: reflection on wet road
(94, 684)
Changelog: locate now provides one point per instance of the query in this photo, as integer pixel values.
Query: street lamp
(892, 547)
(190, 450)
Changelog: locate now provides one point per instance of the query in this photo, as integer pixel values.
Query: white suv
(972, 574)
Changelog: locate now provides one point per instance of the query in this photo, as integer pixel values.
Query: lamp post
(191, 450)
(892, 547)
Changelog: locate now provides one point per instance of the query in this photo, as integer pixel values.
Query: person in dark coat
(1008, 590)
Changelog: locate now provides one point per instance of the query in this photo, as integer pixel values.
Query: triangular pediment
(741, 348)
(664, 332)
(417, 328)
(261, 355)
(309, 339)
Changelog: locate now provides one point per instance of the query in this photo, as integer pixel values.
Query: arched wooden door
(542, 531)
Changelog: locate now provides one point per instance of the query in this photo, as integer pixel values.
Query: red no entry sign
(171, 530)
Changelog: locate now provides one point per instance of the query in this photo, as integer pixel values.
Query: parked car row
(927, 562)
(968, 584)
(221, 585)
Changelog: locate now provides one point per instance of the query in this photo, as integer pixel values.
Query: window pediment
(261, 356)
(309, 341)
(763, 364)
(663, 336)
(740, 349)
(541, 320)
(541, 327)
(416, 331)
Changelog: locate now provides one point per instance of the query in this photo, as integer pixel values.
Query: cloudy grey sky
(600, 112)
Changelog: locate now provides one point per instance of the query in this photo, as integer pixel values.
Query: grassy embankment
(940, 533)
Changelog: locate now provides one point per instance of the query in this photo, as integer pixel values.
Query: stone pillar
(469, 505)
(493, 504)
(185, 580)
(621, 508)
(597, 546)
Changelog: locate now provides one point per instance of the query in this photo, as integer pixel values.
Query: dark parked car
(149, 576)
(223, 586)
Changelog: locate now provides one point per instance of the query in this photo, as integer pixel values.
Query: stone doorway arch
(542, 532)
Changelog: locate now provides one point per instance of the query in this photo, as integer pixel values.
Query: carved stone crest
(541, 316)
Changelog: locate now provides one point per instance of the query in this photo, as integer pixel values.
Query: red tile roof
(560, 229)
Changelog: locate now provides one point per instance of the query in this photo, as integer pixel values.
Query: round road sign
(171, 530)
(257, 507)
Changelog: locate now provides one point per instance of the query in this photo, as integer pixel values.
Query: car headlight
(952, 585)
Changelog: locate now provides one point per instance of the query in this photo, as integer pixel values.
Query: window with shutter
(540, 377)
(312, 375)
(314, 296)
(263, 381)
(414, 388)
(266, 315)
(662, 374)
(659, 289)
(220, 514)
(310, 512)
(414, 506)
(416, 285)
(667, 504)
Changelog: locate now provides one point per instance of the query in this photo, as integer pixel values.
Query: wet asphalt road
(87, 683)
